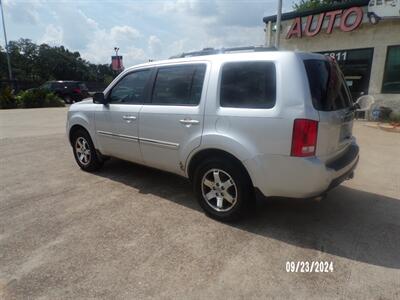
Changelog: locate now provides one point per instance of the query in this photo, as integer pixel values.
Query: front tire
(223, 189)
(84, 151)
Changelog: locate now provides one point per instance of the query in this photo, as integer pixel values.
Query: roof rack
(211, 51)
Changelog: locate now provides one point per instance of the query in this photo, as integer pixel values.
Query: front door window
(130, 89)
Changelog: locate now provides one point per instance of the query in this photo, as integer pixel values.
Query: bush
(52, 100)
(395, 117)
(7, 99)
(39, 98)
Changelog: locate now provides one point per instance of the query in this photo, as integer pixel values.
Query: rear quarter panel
(260, 131)
(251, 134)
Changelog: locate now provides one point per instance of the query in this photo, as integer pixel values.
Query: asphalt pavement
(130, 232)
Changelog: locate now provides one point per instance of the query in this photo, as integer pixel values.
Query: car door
(117, 122)
(170, 126)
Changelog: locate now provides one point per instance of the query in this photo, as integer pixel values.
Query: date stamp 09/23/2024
(309, 267)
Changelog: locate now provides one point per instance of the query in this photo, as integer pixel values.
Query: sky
(142, 30)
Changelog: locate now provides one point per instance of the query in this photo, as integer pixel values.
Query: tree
(312, 4)
(40, 63)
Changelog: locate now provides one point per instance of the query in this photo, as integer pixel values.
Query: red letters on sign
(343, 20)
(297, 31)
(332, 18)
(317, 29)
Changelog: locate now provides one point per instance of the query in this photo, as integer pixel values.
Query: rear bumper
(294, 177)
(348, 175)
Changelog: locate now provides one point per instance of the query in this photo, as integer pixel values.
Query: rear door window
(179, 85)
(248, 85)
(328, 88)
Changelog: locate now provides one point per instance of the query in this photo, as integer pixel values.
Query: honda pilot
(237, 124)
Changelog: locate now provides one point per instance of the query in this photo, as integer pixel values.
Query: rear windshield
(328, 88)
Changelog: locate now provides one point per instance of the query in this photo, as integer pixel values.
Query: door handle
(129, 118)
(189, 122)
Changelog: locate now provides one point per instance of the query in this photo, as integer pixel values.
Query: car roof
(230, 57)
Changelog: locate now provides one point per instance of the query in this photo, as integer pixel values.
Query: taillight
(304, 139)
(77, 90)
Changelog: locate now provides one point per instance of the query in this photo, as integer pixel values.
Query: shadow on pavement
(349, 223)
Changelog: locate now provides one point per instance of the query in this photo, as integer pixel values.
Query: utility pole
(278, 24)
(6, 43)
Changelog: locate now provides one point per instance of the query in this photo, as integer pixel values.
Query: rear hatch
(331, 98)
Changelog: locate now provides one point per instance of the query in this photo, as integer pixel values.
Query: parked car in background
(275, 123)
(69, 91)
(383, 9)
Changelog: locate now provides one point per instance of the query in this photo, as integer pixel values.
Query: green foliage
(38, 98)
(52, 100)
(395, 117)
(312, 4)
(40, 63)
(108, 79)
(7, 99)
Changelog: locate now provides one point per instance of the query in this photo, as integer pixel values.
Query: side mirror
(99, 98)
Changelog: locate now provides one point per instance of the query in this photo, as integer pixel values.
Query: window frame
(385, 69)
(146, 89)
(219, 87)
(154, 79)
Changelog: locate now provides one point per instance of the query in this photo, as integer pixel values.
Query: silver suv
(274, 123)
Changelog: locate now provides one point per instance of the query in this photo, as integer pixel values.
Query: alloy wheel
(82, 150)
(219, 190)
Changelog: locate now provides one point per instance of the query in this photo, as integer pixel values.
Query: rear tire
(84, 151)
(223, 189)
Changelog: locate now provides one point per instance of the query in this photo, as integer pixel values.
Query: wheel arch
(74, 128)
(203, 154)
(82, 120)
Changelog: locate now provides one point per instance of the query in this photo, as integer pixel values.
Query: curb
(388, 127)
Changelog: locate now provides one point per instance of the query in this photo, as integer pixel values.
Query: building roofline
(315, 11)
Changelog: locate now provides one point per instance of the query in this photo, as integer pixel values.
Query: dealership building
(362, 35)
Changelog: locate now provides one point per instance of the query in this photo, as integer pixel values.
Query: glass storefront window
(391, 77)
